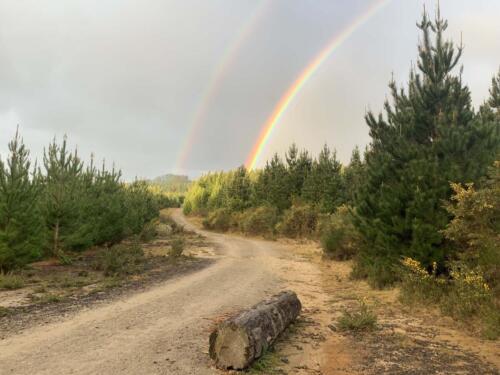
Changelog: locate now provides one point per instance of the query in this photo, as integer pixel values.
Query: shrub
(219, 219)
(120, 260)
(464, 294)
(419, 285)
(299, 221)
(468, 292)
(149, 231)
(475, 227)
(259, 220)
(364, 319)
(177, 248)
(339, 237)
(378, 272)
(11, 281)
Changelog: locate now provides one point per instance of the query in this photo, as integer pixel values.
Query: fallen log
(238, 341)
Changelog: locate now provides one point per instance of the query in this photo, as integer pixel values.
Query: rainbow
(211, 89)
(304, 76)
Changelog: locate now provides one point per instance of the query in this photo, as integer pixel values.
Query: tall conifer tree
(428, 138)
(21, 226)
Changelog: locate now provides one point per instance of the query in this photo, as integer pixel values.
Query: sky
(124, 79)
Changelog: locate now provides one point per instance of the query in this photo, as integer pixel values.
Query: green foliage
(339, 238)
(272, 186)
(121, 260)
(323, 186)
(226, 197)
(21, 225)
(171, 183)
(11, 281)
(353, 176)
(475, 227)
(219, 219)
(299, 221)
(68, 207)
(464, 294)
(299, 165)
(260, 220)
(363, 319)
(430, 136)
(177, 247)
(267, 364)
(149, 231)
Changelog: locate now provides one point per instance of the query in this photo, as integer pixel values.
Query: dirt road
(165, 329)
(161, 331)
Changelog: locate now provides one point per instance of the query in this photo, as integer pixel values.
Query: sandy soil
(164, 330)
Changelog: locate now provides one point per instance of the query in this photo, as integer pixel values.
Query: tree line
(64, 205)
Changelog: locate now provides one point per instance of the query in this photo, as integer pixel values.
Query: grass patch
(11, 281)
(48, 298)
(177, 247)
(268, 364)
(364, 319)
(121, 260)
(4, 311)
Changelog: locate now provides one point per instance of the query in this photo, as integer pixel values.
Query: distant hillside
(171, 183)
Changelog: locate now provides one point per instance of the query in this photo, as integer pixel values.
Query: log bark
(238, 341)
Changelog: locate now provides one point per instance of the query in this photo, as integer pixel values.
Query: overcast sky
(123, 78)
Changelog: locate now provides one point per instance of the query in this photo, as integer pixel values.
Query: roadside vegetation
(63, 207)
(420, 207)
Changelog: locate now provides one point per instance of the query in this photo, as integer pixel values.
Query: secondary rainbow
(216, 78)
(304, 76)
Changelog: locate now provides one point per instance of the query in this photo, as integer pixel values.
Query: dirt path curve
(161, 331)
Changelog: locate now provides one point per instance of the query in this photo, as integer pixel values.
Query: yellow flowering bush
(462, 294)
(474, 230)
(418, 284)
(469, 292)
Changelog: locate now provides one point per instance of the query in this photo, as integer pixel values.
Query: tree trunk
(238, 341)
(56, 239)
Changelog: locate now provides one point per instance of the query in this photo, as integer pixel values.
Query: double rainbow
(304, 76)
(211, 89)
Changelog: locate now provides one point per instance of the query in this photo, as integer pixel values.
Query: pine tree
(272, 185)
(238, 190)
(323, 185)
(63, 177)
(299, 165)
(353, 176)
(494, 101)
(21, 227)
(430, 136)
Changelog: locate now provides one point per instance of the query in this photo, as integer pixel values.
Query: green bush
(378, 272)
(177, 248)
(475, 227)
(463, 294)
(11, 281)
(339, 238)
(299, 221)
(260, 220)
(149, 231)
(219, 219)
(120, 260)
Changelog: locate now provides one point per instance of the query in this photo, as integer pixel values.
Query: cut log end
(238, 341)
(232, 345)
